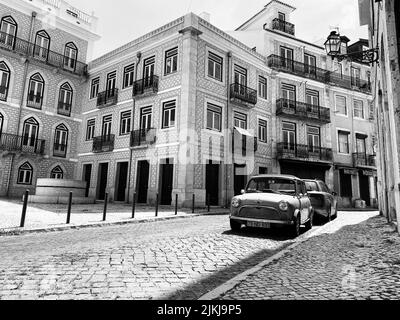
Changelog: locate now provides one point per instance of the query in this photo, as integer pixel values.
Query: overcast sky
(121, 21)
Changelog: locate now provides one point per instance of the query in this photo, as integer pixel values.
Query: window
(314, 139)
(341, 107)
(310, 64)
(214, 117)
(90, 127)
(129, 76)
(125, 124)
(4, 80)
(168, 119)
(289, 96)
(42, 45)
(145, 118)
(262, 131)
(361, 144)
(358, 109)
(355, 76)
(148, 71)
(240, 120)
(110, 85)
(57, 173)
(312, 100)
(289, 136)
(106, 128)
(8, 32)
(65, 100)
(240, 75)
(94, 88)
(343, 137)
(281, 16)
(30, 132)
(286, 58)
(60, 141)
(171, 61)
(215, 66)
(70, 56)
(262, 87)
(25, 173)
(35, 91)
(1, 123)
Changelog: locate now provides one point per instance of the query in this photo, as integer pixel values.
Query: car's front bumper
(277, 222)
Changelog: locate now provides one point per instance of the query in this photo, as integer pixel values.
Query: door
(111, 81)
(310, 64)
(289, 136)
(286, 57)
(106, 128)
(142, 183)
(148, 71)
(314, 140)
(35, 92)
(212, 183)
(8, 32)
(42, 46)
(87, 176)
(122, 180)
(30, 135)
(364, 188)
(240, 78)
(167, 171)
(312, 100)
(289, 97)
(240, 179)
(102, 183)
(361, 149)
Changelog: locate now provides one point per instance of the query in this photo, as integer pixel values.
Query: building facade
(383, 20)
(191, 110)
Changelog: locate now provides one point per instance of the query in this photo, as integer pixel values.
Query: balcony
(103, 143)
(303, 153)
(64, 109)
(54, 59)
(243, 94)
(34, 101)
(3, 93)
(303, 70)
(60, 150)
(107, 98)
(364, 160)
(14, 143)
(283, 26)
(296, 109)
(143, 137)
(145, 86)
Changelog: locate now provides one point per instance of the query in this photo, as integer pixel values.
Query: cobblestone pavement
(176, 259)
(357, 262)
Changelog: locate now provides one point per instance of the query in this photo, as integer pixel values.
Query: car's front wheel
(235, 226)
(295, 228)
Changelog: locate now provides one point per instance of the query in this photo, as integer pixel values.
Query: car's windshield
(272, 185)
(311, 186)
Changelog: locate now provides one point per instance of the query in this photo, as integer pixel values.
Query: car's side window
(324, 187)
(303, 188)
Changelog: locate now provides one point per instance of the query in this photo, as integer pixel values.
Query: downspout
(139, 55)
(26, 62)
(229, 57)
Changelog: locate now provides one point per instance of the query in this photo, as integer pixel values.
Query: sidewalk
(53, 216)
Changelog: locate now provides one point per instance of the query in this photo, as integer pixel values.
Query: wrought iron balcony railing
(34, 101)
(60, 150)
(243, 93)
(103, 143)
(146, 85)
(302, 110)
(281, 25)
(26, 48)
(322, 75)
(364, 160)
(23, 144)
(3, 92)
(107, 98)
(64, 109)
(303, 152)
(143, 137)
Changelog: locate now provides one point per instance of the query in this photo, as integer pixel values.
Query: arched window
(8, 32)
(42, 45)
(4, 80)
(57, 173)
(65, 100)
(35, 91)
(60, 141)
(70, 56)
(25, 173)
(30, 133)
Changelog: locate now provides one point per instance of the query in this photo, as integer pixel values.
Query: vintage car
(272, 200)
(323, 200)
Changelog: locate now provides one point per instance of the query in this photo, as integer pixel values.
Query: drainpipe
(229, 56)
(26, 62)
(139, 55)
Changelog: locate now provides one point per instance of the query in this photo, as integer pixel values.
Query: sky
(121, 21)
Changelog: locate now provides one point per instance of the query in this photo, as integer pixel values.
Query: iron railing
(145, 85)
(303, 110)
(143, 137)
(64, 109)
(55, 59)
(60, 150)
(34, 101)
(24, 144)
(281, 25)
(243, 93)
(107, 98)
(363, 159)
(103, 143)
(304, 152)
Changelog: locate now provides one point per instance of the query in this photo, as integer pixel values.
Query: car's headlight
(283, 205)
(236, 202)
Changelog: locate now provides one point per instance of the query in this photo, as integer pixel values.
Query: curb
(21, 231)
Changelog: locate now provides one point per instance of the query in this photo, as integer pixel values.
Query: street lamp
(334, 44)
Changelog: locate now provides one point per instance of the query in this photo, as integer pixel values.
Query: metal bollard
(208, 203)
(157, 205)
(69, 208)
(176, 204)
(24, 207)
(133, 205)
(105, 207)
(193, 201)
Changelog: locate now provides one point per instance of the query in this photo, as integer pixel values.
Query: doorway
(122, 179)
(212, 183)
(87, 176)
(166, 181)
(142, 182)
(240, 178)
(364, 187)
(102, 182)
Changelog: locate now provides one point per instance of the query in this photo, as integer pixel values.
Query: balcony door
(312, 100)
(106, 128)
(4, 80)
(70, 56)
(148, 71)
(286, 57)
(355, 76)
(361, 146)
(240, 79)
(310, 64)
(289, 96)
(65, 99)
(35, 92)
(110, 85)
(8, 33)
(61, 141)
(30, 134)
(289, 136)
(42, 45)
(145, 118)
(314, 139)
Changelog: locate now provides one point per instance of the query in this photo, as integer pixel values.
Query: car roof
(313, 180)
(281, 176)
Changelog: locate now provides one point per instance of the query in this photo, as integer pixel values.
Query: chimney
(205, 16)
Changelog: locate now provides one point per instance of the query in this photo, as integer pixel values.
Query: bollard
(69, 208)
(133, 205)
(176, 204)
(157, 205)
(105, 207)
(193, 203)
(24, 207)
(208, 203)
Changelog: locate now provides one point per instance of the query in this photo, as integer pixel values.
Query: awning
(244, 132)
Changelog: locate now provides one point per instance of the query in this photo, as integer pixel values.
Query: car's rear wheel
(235, 226)
(309, 224)
(295, 228)
(335, 215)
(329, 217)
